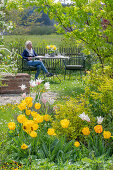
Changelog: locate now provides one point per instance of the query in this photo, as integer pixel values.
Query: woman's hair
(27, 42)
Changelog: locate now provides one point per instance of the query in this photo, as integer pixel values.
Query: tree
(89, 22)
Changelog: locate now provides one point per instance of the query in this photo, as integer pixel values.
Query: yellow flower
(33, 134)
(22, 106)
(11, 126)
(88, 72)
(47, 117)
(107, 134)
(47, 47)
(33, 113)
(38, 118)
(24, 146)
(30, 104)
(54, 48)
(51, 48)
(28, 101)
(64, 123)
(28, 112)
(51, 131)
(86, 131)
(98, 128)
(77, 144)
(35, 126)
(27, 125)
(21, 118)
(37, 105)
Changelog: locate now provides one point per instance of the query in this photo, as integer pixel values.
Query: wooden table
(55, 57)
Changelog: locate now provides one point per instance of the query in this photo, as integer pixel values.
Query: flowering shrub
(99, 91)
(68, 118)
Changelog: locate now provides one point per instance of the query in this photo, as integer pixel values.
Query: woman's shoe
(49, 75)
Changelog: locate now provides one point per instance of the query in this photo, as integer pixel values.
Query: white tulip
(39, 81)
(32, 83)
(83, 116)
(24, 95)
(47, 85)
(51, 101)
(100, 120)
(23, 87)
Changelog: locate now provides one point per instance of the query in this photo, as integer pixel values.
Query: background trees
(89, 22)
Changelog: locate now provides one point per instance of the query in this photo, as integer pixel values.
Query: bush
(99, 91)
(42, 30)
(71, 111)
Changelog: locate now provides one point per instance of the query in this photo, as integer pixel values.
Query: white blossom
(47, 85)
(51, 101)
(43, 100)
(23, 87)
(24, 95)
(99, 120)
(83, 116)
(32, 83)
(39, 81)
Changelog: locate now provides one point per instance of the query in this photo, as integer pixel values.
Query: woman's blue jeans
(39, 64)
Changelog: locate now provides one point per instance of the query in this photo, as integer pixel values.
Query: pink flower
(32, 83)
(39, 81)
(44, 100)
(24, 95)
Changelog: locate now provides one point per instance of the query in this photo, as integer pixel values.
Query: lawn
(37, 40)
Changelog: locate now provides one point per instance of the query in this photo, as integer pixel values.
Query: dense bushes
(42, 30)
(34, 30)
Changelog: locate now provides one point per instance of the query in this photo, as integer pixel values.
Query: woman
(28, 54)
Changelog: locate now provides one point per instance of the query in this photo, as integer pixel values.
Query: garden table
(49, 57)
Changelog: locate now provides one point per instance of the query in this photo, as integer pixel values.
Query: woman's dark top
(25, 54)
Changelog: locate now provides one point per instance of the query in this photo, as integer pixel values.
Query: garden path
(16, 98)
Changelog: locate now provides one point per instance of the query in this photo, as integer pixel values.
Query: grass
(37, 40)
(7, 113)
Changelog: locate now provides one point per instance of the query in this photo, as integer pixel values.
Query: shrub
(42, 30)
(71, 111)
(99, 92)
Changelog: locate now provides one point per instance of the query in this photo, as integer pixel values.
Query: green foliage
(89, 23)
(42, 30)
(99, 91)
(71, 111)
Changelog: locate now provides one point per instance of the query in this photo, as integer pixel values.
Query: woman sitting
(28, 54)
